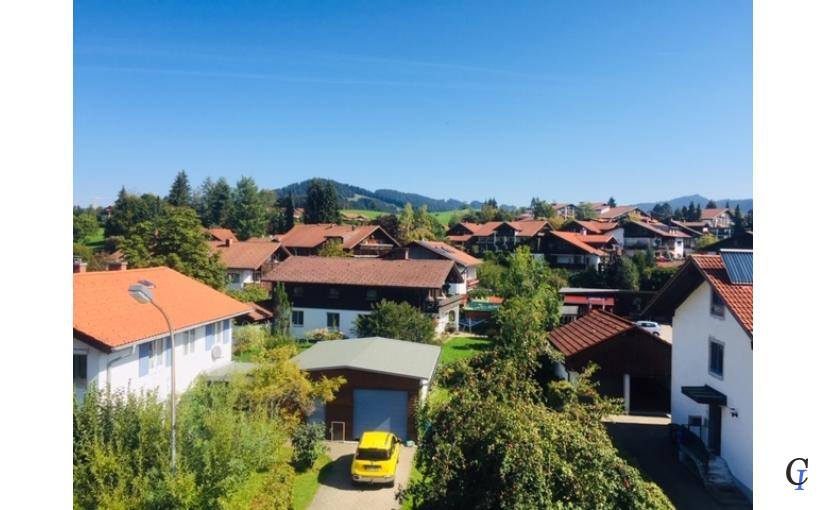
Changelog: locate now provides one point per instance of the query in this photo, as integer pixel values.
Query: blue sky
(566, 100)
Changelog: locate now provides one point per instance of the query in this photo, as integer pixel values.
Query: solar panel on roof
(738, 264)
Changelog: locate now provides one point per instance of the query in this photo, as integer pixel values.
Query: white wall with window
(709, 347)
(238, 278)
(145, 366)
(305, 320)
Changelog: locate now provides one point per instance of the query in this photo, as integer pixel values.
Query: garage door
(380, 410)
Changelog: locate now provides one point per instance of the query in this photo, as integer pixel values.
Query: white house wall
(124, 373)
(692, 327)
(245, 276)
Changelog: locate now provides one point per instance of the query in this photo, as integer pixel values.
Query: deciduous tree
(396, 320)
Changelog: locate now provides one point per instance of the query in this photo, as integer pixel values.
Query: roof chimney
(79, 265)
(228, 242)
(117, 266)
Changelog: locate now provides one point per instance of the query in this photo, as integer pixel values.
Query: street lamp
(141, 293)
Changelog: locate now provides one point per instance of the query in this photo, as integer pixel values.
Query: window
(333, 321)
(156, 353)
(716, 358)
(79, 367)
(234, 277)
(717, 308)
(333, 293)
(298, 318)
(219, 332)
(188, 341)
(371, 295)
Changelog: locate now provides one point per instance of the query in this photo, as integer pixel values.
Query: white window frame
(156, 356)
(713, 340)
(712, 305)
(188, 341)
(293, 318)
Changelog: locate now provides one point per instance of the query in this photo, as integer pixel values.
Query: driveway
(337, 493)
(644, 441)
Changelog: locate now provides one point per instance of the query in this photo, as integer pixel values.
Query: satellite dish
(216, 352)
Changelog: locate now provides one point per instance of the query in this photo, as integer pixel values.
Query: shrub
(307, 445)
(397, 320)
(249, 294)
(322, 334)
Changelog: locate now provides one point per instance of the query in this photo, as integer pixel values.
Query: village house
(633, 363)
(359, 241)
(587, 227)
(577, 252)
(649, 234)
(427, 250)
(565, 211)
(387, 381)
(718, 221)
(709, 302)
(460, 234)
(121, 343)
(508, 235)
(332, 292)
(220, 235)
(246, 261)
(621, 212)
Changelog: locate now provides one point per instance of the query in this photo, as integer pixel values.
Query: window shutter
(168, 350)
(143, 358)
(210, 336)
(226, 331)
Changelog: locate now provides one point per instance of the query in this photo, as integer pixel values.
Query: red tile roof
(597, 227)
(244, 254)
(313, 235)
(615, 212)
(458, 239)
(708, 214)
(449, 252)
(523, 228)
(661, 229)
(595, 327)
(105, 313)
(578, 241)
(738, 298)
(222, 234)
(428, 274)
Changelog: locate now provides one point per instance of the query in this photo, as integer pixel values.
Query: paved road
(337, 493)
(644, 440)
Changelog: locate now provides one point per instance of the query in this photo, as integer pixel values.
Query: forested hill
(354, 197)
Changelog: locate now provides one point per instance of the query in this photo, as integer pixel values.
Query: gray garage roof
(374, 354)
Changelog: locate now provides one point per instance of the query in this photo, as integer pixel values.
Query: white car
(651, 327)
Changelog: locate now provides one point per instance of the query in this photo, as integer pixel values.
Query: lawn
(306, 484)
(407, 504)
(445, 216)
(368, 213)
(95, 241)
(460, 347)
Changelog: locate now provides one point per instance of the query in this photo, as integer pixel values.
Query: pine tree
(248, 216)
(180, 194)
(612, 202)
(217, 204)
(315, 202)
(711, 205)
(289, 213)
(331, 204)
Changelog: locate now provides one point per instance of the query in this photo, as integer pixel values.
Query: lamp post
(141, 293)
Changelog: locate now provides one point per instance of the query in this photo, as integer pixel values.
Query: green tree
(322, 203)
(704, 241)
(711, 205)
(332, 248)
(129, 210)
(407, 224)
(175, 240)
(218, 200)
(738, 224)
(289, 213)
(281, 310)
(180, 193)
(331, 202)
(248, 215)
(622, 273)
(249, 294)
(585, 211)
(612, 202)
(396, 320)
(84, 225)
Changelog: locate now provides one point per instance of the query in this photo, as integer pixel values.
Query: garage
(380, 410)
(386, 380)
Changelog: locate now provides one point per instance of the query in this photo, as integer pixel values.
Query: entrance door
(714, 429)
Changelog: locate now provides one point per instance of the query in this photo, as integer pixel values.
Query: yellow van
(376, 458)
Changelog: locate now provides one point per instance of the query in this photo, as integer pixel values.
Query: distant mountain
(677, 203)
(388, 200)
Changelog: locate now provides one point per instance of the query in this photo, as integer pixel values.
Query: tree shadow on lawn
(336, 474)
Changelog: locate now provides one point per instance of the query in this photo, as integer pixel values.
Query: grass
(368, 213)
(444, 217)
(306, 484)
(95, 241)
(460, 347)
(407, 504)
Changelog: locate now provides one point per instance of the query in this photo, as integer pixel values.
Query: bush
(307, 445)
(322, 334)
(249, 294)
(397, 320)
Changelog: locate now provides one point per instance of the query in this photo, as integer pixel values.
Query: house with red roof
(652, 235)
(359, 241)
(508, 235)
(332, 292)
(246, 261)
(460, 234)
(633, 363)
(577, 252)
(718, 220)
(621, 212)
(709, 302)
(467, 264)
(121, 343)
